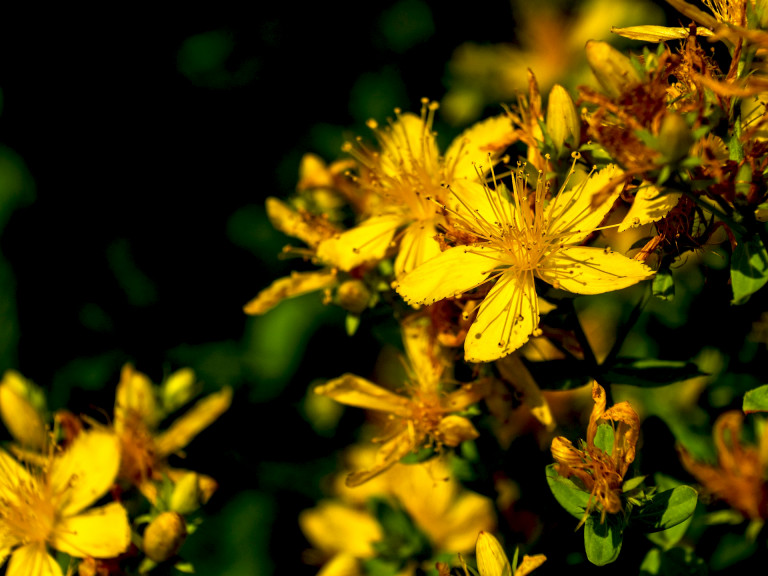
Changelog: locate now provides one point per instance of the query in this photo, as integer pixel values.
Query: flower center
(27, 505)
(138, 449)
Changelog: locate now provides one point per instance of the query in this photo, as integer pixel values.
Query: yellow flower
(406, 177)
(425, 416)
(446, 513)
(600, 473)
(740, 476)
(516, 244)
(47, 507)
(493, 561)
(145, 449)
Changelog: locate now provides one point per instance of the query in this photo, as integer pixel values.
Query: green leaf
(650, 372)
(756, 400)
(672, 562)
(749, 269)
(604, 438)
(664, 284)
(666, 509)
(567, 493)
(632, 483)
(602, 542)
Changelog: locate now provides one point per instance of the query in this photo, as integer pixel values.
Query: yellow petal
(387, 456)
(341, 565)
(296, 284)
(102, 532)
(135, 395)
(194, 421)
(571, 213)
(651, 33)
(369, 241)
(450, 273)
(529, 564)
(465, 396)
(407, 147)
(423, 353)
(587, 270)
(290, 222)
(469, 514)
(507, 318)
(650, 204)
(479, 145)
(517, 374)
(417, 245)
(14, 474)
(85, 470)
(33, 560)
(491, 558)
(333, 527)
(355, 391)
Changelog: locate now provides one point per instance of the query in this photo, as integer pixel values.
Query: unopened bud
(563, 124)
(164, 536)
(178, 389)
(613, 70)
(21, 405)
(186, 496)
(674, 137)
(491, 558)
(353, 296)
(453, 430)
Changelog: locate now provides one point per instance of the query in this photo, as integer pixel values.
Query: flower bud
(164, 536)
(453, 430)
(613, 70)
(178, 389)
(186, 496)
(674, 137)
(563, 124)
(21, 407)
(353, 296)
(491, 558)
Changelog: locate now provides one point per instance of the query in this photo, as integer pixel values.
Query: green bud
(613, 70)
(563, 125)
(178, 389)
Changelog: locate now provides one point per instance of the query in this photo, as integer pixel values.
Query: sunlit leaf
(567, 493)
(756, 400)
(749, 269)
(602, 542)
(666, 509)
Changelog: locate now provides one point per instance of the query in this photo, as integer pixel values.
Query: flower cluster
(494, 258)
(51, 477)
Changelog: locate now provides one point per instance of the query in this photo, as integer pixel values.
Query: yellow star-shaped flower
(518, 241)
(426, 415)
(49, 507)
(404, 177)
